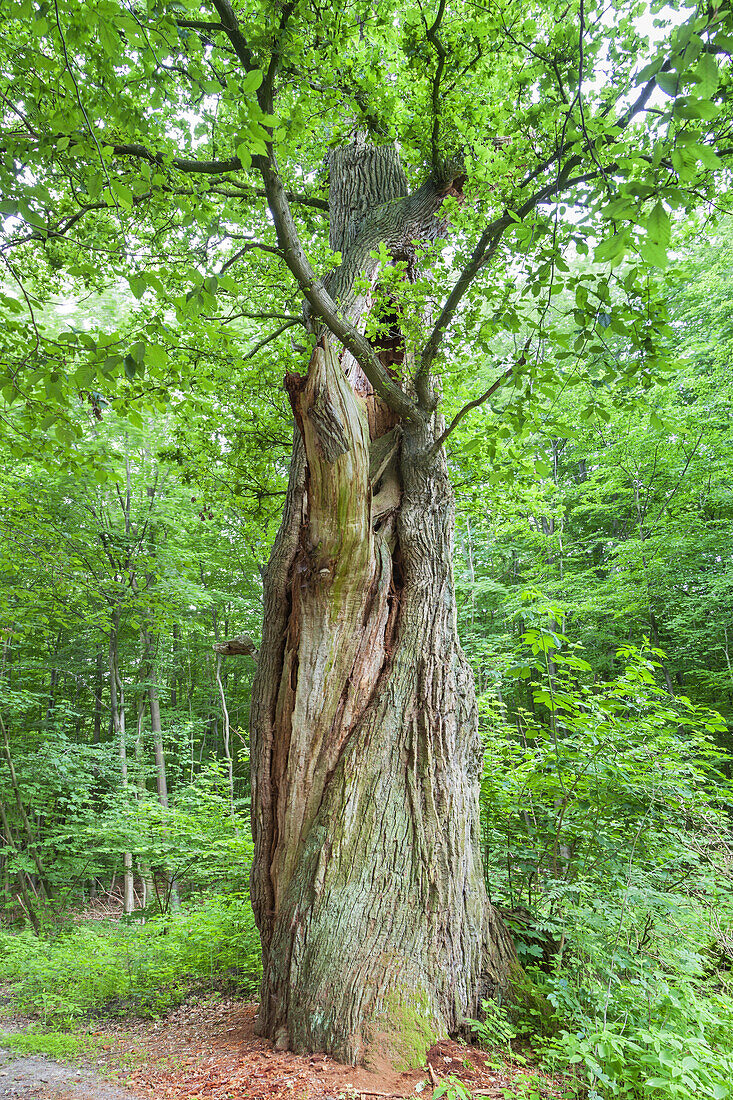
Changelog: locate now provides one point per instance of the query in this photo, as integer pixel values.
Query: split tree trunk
(367, 882)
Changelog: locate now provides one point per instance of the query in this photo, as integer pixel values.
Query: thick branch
(315, 292)
(432, 37)
(321, 302)
(205, 167)
(230, 24)
(482, 253)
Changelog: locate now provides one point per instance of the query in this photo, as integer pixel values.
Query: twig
(81, 106)
(271, 337)
(478, 401)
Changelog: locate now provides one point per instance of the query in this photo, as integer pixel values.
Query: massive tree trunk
(367, 882)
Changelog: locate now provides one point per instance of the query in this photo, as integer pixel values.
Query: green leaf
(252, 81)
(137, 351)
(244, 155)
(687, 107)
(653, 253)
(658, 226)
(137, 285)
(156, 356)
(707, 72)
(123, 194)
(612, 250)
(667, 82)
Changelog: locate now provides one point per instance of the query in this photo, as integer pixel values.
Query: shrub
(109, 967)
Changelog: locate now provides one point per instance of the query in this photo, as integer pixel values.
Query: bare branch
(478, 401)
(272, 336)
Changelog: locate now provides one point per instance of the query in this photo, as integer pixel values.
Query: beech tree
(396, 184)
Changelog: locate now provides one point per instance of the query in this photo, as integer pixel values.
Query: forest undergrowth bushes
(147, 962)
(607, 845)
(113, 968)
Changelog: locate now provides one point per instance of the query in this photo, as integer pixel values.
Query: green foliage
(670, 1041)
(114, 969)
(195, 838)
(452, 1088)
(145, 435)
(600, 773)
(495, 1027)
(611, 801)
(59, 1045)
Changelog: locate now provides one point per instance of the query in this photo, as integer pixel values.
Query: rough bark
(367, 882)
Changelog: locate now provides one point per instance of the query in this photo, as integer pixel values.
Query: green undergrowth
(63, 1046)
(113, 968)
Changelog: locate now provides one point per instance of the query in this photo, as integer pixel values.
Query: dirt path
(42, 1079)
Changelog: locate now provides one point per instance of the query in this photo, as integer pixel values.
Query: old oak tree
(397, 185)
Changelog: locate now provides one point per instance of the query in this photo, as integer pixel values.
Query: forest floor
(208, 1050)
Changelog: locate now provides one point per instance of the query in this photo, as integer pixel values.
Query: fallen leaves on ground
(210, 1051)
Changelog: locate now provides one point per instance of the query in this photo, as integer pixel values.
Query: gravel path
(42, 1079)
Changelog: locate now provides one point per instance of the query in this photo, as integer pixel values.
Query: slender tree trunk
(53, 681)
(227, 738)
(174, 665)
(149, 666)
(98, 690)
(117, 711)
(367, 883)
(143, 868)
(30, 833)
(25, 898)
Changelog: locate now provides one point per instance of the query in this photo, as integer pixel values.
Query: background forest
(595, 573)
(144, 446)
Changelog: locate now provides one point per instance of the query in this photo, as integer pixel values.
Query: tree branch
(205, 167)
(482, 253)
(230, 24)
(321, 302)
(242, 645)
(248, 247)
(478, 401)
(292, 196)
(200, 25)
(272, 336)
(432, 37)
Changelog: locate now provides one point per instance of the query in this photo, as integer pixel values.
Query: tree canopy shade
(383, 193)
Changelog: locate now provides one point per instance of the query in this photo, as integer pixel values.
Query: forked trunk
(367, 882)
